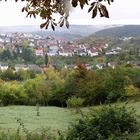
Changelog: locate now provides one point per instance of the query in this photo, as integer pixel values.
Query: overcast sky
(121, 12)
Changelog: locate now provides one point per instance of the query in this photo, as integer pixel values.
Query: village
(42, 45)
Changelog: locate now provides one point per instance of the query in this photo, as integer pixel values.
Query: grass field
(54, 118)
(51, 117)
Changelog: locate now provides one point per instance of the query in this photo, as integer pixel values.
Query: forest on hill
(120, 31)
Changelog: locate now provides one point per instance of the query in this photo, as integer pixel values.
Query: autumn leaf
(43, 25)
(104, 11)
(74, 3)
(94, 12)
(67, 24)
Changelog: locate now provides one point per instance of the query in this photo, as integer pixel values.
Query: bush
(22, 133)
(107, 123)
(131, 91)
(75, 102)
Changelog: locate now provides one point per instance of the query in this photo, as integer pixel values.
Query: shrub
(131, 91)
(23, 133)
(75, 102)
(107, 123)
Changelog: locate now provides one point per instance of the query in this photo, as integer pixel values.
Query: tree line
(57, 87)
(26, 56)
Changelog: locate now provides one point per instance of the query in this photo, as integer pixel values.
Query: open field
(51, 117)
(54, 118)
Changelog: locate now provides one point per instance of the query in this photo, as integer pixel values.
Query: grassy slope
(50, 117)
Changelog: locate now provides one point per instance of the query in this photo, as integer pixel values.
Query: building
(39, 52)
(3, 66)
(93, 52)
(21, 67)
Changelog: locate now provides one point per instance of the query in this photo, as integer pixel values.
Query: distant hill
(121, 31)
(74, 31)
(118, 31)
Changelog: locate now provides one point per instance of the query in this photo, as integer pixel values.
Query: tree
(75, 102)
(8, 75)
(55, 84)
(46, 59)
(47, 8)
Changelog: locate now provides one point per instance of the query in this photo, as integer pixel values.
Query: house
(126, 38)
(112, 53)
(88, 66)
(32, 44)
(93, 52)
(65, 50)
(1, 40)
(80, 51)
(52, 50)
(117, 49)
(52, 53)
(39, 52)
(3, 66)
(106, 46)
(65, 53)
(101, 65)
(21, 66)
(2, 45)
(34, 68)
(112, 64)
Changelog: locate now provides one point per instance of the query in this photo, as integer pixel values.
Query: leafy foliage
(131, 90)
(75, 103)
(96, 6)
(47, 8)
(73, 87)
(107, 123)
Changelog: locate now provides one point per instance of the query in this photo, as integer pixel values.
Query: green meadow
(54, 118)
(50, 118)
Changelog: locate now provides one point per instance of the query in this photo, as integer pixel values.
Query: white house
(65, 53)
(93, 52)
(3, 66)
(111, 53)
(100, 65)
(21, 66)
(53, 50)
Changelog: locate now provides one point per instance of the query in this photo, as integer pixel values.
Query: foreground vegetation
(22, 122)
(75, 89)
(109, 122)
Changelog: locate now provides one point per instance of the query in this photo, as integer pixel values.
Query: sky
(121, 12)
